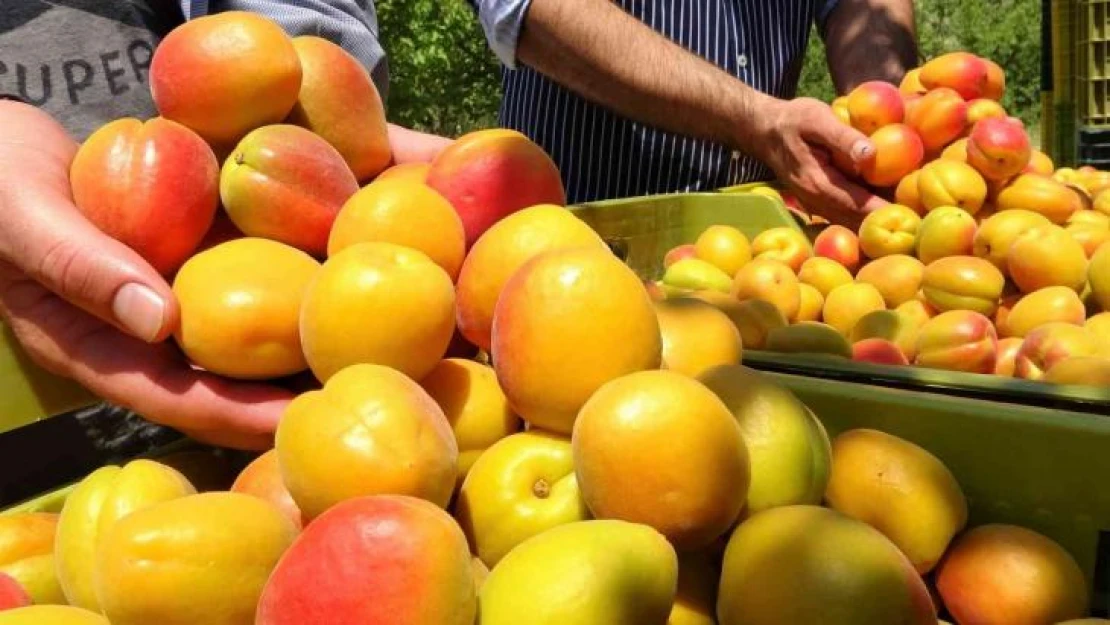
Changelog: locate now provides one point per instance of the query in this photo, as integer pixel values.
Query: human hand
(412, 146)
(87, 307)
(801, 140)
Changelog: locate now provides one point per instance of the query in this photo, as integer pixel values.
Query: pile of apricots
(988, 259)
(501, 426)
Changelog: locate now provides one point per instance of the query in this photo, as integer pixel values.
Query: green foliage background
(445, 79)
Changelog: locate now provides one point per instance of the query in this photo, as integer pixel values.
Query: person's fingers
(48, 240)
(846, 144)
(152, 380)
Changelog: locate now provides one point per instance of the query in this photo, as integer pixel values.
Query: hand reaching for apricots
(800, 140)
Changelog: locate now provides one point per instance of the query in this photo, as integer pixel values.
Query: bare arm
(412, 146)
(585, 45)
(870, 40)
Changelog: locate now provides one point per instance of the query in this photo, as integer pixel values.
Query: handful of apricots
(989, 260)
(487, 376)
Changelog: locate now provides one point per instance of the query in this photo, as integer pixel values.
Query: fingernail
(140, 310)
(862, 150)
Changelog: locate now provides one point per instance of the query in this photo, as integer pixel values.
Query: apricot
(1089, 218)
(916, 311)
(998, 148)
(490, 174)
(522, 486)
(808, 564)
(911, 83)
(839, 244)
(1101, 202)
(96, 504)
(1041, 195)
(12, 595)
(889, 325)
(675, 254)
(1080, 371)
(1098, 276)
(966, 73)
(958, 340)
(898, 153)
(285, 183)
(783, 244)
(889, 230)
(878, 351)
(839, 108)
(330, 451)
(51, 615)
(1051, 343)
(339, 102)
(700, 463)
(413, 172)
(1006, 360)
(262, 478)
(137, 181)
(475, 406)
(240, 308)
(226, 74)
(1100, 325)
(695, 274)
(846, 304)
(27, 554)
(809, 337)
(1040, 163)
(378, 303)
(1047, 256)
(380, 559)
(906, 193)
(824, 274)
(567, 322)
(810, 305)
(957, 151)
(404, 213)
(873, 105)
(1047, 305)
(997, 233)
(997, 574)
(696, 336)
(725, 247)
(900, 489)
(787, 445)
(939, 118)
(502, 250)
(951, 183)
(984, 108)
(695, 600)
(755, 319)
(945, 231)
(770, 280)
(196, 559)
(897, 277)
(963, 283)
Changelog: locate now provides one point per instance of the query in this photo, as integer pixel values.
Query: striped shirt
(603, 155)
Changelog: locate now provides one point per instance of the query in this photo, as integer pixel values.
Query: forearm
(411, 146)
(586, 45)
(870, 40)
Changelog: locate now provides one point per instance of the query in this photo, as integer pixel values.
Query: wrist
(753, 127)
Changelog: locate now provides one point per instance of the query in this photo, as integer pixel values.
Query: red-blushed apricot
(225, 74)
(339, 102)
(490, 174)
(152, 185)
(380, 560)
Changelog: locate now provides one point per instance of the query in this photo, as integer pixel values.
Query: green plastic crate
(643, 229)
(29, 393)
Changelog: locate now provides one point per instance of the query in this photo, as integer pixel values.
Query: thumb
(58, 248)
(844, 142)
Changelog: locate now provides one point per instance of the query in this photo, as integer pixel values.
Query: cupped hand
(801, 140)
(87, 307)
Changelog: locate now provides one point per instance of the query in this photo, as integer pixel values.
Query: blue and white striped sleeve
(352, 24)
(502, 20)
